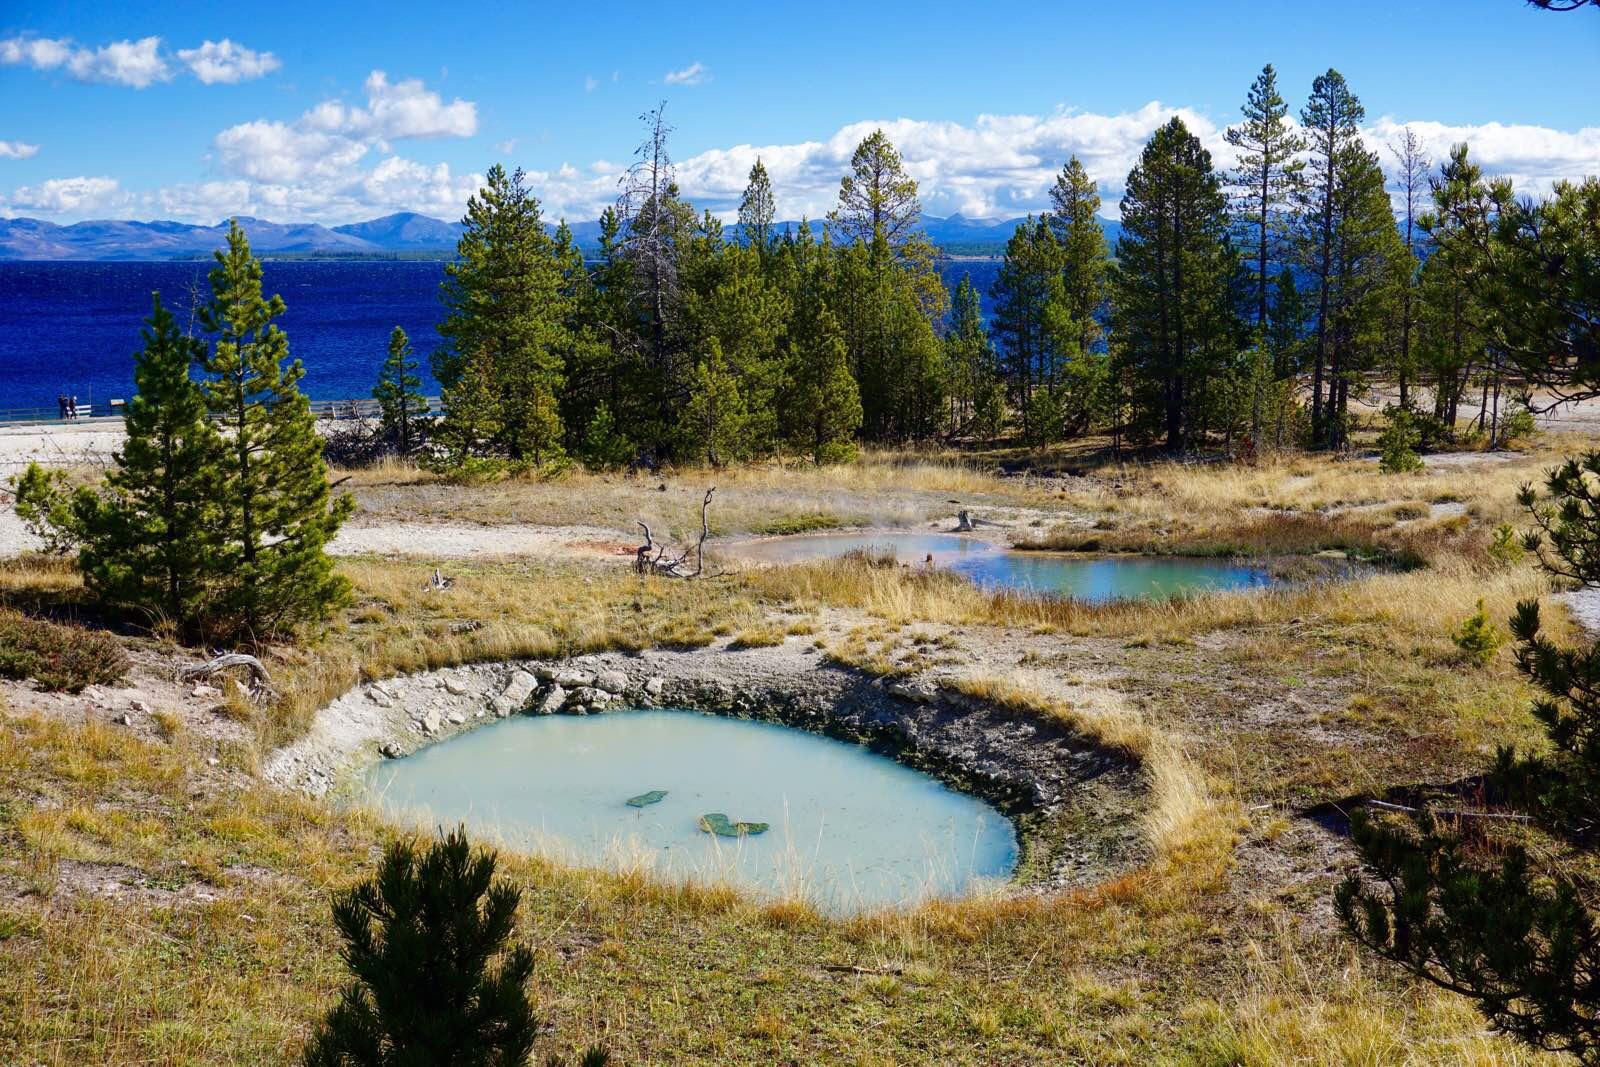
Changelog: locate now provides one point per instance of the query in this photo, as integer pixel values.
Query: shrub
(1517, 424)
(1399, 442)
(436, 979)
(44, 504)
(58, 657)
(1507, 547)
(1477, 637)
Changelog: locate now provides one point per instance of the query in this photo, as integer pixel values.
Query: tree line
(1238, 308)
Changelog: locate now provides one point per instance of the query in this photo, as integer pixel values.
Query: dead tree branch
(260, 687)
(650, 558)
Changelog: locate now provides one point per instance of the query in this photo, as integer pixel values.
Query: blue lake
(848, 829)
(73, 327)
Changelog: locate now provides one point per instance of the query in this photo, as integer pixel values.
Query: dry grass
(224, 953)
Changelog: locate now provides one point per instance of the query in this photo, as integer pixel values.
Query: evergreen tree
(1074, 219)
(1413, 181)
(715, 417)
(1268, 169)
(400, 401)
(1022, 291)
(504, 308)
(757, 209)
(877, 200)
(436, 979)
(969, 357)
(149, 539)
(1504, 917)
(1175, 319)
(1332, 120)
(275, 513)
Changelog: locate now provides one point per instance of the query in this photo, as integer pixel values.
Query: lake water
(1092, 578)
(73, 327)
(849, 829)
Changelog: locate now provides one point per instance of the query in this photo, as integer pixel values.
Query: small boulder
(391, 750)
(456, 685)
(654, 686)
(545, 673)
(123, 720)
(429, 721)
(570, 679)
(380, 698)
(139, 706)
(915, 690)
(205, 692)
(458, 717)
(588, 697)
(612, 681)
(519, 688)
(553, 700)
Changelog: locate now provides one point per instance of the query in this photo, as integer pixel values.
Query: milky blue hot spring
(1093, 578)
(848, 829)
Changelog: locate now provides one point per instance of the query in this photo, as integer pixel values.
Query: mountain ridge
(401, 233)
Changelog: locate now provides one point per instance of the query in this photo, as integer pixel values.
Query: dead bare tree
(651, 558)
(647, 205)
(1412, 177)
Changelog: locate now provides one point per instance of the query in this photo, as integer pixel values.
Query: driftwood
(439, 581)
(650, 558)
(260, 687)
(1455, 813)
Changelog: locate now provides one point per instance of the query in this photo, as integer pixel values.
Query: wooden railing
(362, 408)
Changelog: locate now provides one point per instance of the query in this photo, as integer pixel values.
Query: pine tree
(1175, 318)
(1332, 120)
(1074, 219)
(276, 512)
(503, 302)
(1501, 913)
(877, 200)
(1022, 293)
(1268, 170)
(757, 209)
(400, 402)
(149, 539)
(715, 417)
(969, 355)
(436, 979)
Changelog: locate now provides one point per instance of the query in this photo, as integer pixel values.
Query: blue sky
(279, 110)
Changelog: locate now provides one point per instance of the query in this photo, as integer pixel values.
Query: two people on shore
(68, 406)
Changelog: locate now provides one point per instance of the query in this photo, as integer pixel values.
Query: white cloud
(591, 83)
(138, 64)
(506, 147)
(327, 142)
(224, 62)
(1533, 157)
(17, 150)
(334, 164)
(694, 74)
(135, 63)
(69, 196)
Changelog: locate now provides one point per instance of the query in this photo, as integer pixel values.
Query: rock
(553, 700)
(520, 688)
(501, 707)
(612, 681)
(430, 721)
(456, 686)
(140, 706)
(654, 686)
(123, 720)
(587, 697)
(915, 690)
(391, 750)
(205, 692)
(545, 673)
(458, 717)
(574, 679)
(380, 698)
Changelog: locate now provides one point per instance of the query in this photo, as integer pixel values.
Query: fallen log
(260, 687)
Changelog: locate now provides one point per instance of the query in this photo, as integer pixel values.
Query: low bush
(58, 657)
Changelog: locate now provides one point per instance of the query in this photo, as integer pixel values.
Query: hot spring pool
(848, 829)
(1094, 578)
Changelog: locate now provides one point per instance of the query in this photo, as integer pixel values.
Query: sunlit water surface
(849, 829)
(1094, 578)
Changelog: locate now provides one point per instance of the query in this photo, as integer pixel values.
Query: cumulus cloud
(335, 164)
(69, 196)
(325, 143)
(1533, 157)
(134, 63)
(694, 74)
(17, 150)
(223, 62)
(138, 64)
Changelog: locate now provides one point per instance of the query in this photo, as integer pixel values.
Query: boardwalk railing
(363, 408)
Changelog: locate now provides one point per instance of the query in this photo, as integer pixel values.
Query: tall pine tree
(276, 513)
(400, 401)
(150, 539)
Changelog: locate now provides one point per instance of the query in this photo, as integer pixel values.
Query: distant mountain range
(403, 234)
